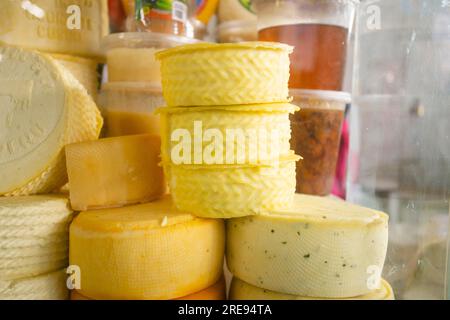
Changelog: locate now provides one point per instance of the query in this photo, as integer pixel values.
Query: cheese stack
(34, 247)
(225, 130)
(319, 248)
(127, 247)
(71, 32)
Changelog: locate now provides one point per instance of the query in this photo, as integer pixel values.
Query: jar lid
(327, 95)
(147, 87)
(144, 40)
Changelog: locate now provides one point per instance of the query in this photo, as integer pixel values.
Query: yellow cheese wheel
(70, 27)
(240, 127)
(49, 286)
(225, 74)
(42, 109)
(214, 292)
(83, 69)
(241, 290)
(320, 247)
(232, 191)
(113, 172)
(33, 235)
(148, 251)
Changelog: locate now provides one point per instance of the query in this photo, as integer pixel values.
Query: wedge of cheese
(241, 290)
(229, 191)
(42, 109)
(83, 69)
(69, 27)
(33, 235)
(148, 251)
(262, 132)
(214, 292)
(49, 286)
(208, 74)
(114, 172)
(320, 247)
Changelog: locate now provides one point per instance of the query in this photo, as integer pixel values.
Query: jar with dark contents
(316, 134)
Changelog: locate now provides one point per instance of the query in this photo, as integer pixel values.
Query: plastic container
(319, 31)
(237, 31)
(316, 133)
(49, 25)
(169, 16)
(129, 108)
(230, 10)
(131, 55)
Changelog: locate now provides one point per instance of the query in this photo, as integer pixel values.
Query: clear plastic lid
(131, 96)
(237, 31)
(331, 12)
(320, 99)
(144, 40)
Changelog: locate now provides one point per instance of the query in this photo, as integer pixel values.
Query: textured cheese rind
(51, 110)
(83, 69)
(240, 290)
(33, 235)
(272, 119)
(115, 171)
(232, 191)
(149, 251)
(215, 292)
(51, 286)
(225, 74)
(321, 247)
(50, 33)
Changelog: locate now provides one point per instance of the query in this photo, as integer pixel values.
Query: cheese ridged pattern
(225, 74)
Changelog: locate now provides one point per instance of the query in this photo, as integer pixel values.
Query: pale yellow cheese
(229, 191)
(42, 109)
(241, 290)
(84, 70)
(215, 292)
(225, 74)
(262, 131)
(148, 251)
(113, 172)
(33, 235)
(49, 286)
(320, 247)
(69, 27)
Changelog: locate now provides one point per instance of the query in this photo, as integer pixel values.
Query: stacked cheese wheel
(43, 108)
(225, 132)
(33, 247)
(319, 248)
(72, 39)
(129, 241)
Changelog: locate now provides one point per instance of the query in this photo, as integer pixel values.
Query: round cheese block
(241, 290)
(208, 74)
(320, 247)
(148, 251)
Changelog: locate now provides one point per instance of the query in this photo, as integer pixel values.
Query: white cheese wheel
(33, 235)
(51, 286)
(42, 109)
(241, 290)
(321, 247)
